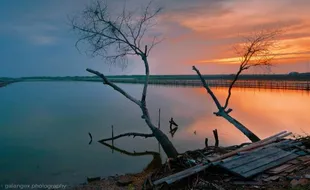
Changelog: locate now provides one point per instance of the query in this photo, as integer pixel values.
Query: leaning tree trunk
(163, 140)
(165, 143)
(239, 126)
(161, 137)
(224, 113)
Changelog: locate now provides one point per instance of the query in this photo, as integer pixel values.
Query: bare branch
(127, 134)
(255, 52)
(217, 103)
(115, 87)
(121, 35)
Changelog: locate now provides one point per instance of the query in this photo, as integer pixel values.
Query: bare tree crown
(257, 49)
(116, 37)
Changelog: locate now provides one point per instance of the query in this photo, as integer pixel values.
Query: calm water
(44, 126)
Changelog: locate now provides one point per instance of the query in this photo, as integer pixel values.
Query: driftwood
(225, 113)
(261, 143)
(216, 137)
(206, 142)
(200, 167)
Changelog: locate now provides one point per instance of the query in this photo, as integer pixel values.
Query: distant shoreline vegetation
(291, 81)
(293, 76)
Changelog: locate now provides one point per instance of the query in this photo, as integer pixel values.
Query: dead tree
(255, 52)
(116, 38)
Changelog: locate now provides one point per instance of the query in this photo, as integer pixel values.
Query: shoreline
(214, 178)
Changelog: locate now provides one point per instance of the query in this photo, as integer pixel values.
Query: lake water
(44, 126)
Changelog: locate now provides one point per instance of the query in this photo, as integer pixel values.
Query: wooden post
(159, 118)
(206, 143)
(216, 138)
(159, 128)
(112, 137)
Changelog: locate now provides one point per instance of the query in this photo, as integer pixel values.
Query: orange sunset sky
(196, 32)
(203, 33)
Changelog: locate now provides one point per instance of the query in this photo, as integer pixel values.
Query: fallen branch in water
(127, 134)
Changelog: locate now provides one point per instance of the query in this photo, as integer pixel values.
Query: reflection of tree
(127, 152)
(172, 131)
(154, 164)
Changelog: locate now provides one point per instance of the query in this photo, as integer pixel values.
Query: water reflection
(128, 153)
(173, 129)
(33, 115)
(265, 112)
(151, 166)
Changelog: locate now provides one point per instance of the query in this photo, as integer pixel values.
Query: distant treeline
(292, 76)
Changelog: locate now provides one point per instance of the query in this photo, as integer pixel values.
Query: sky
(36, 38)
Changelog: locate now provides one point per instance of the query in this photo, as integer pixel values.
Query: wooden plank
(276, 144)
(282, 144)
(295, 162)
(203, 166)
(272, 178)
(251, 157)
(303, 149)
(269, 165)
(261, 162)
(174, 177)
(253, 145)
(279, 169)
(248, 157)
(304, 158)
(291, 169)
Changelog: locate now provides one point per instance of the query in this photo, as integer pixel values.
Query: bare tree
(116, 38)
(255, 52)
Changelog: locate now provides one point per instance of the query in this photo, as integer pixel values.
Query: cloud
(194, 31)
(38, 33)
(44, 40)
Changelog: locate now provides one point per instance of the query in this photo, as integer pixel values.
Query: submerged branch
(127, 134)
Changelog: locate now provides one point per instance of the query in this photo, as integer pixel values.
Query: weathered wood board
(258, 161)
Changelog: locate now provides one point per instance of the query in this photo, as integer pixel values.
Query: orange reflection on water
(263, 111)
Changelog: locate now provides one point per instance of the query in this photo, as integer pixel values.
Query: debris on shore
(276, 162)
